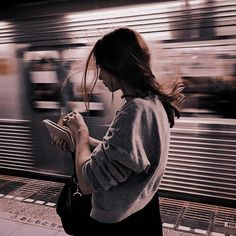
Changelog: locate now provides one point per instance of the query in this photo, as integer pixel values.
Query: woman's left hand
(75, 122)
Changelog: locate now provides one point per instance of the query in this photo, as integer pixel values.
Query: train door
(45, 73)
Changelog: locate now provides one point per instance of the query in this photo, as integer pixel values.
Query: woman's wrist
(93, 142)
(82, 136)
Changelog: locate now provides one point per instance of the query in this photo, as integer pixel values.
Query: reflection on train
(190, 40)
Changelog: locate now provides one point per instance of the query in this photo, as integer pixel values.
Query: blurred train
(43, 42)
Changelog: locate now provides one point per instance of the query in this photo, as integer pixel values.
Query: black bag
(73, 207)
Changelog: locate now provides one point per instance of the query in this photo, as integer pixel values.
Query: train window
(44, 86)
(47, 72)
(208, 72)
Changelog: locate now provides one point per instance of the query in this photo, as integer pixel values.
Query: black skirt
(147, 220)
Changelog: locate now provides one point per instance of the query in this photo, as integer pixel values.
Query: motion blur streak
(189, 40)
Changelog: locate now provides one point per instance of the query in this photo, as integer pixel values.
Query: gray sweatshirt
(125, 170)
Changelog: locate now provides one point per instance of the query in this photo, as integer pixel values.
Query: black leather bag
(73, 207)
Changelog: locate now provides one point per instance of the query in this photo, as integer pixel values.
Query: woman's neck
(131, 93)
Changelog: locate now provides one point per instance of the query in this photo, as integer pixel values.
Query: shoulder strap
(74, 176)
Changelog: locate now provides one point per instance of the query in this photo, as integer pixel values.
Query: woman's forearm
(82, 155)
(93, 142)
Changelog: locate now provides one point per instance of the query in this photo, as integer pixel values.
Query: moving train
(42, 43)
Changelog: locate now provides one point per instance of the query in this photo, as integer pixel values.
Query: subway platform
(27, 208)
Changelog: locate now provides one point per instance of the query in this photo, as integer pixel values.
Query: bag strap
(74, 169)
(75, 179)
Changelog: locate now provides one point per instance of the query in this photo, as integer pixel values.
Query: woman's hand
(75, 122)
(61, 144)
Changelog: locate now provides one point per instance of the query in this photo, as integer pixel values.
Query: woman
(125, 169)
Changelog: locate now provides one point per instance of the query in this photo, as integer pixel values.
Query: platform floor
(27, 208)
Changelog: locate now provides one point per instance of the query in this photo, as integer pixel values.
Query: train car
(193, 40)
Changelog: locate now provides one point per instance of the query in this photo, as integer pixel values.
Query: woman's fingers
(60, 121)
(74, 120)
(60, 144)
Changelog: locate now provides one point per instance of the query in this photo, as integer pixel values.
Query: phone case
(63, 134)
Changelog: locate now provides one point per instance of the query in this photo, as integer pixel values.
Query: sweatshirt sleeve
(121, 153)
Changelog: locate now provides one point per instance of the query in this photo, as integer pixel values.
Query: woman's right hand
(74, 120)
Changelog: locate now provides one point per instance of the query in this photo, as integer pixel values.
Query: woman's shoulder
(142, 104)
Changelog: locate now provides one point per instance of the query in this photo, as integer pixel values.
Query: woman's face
(109, 80)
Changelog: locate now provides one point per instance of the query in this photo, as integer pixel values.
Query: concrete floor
(27, 219)
(27, 208)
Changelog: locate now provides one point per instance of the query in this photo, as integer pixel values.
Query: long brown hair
(124, 53)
